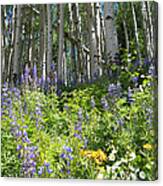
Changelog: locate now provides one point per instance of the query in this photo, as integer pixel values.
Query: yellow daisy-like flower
(98, 156)
(147, 146)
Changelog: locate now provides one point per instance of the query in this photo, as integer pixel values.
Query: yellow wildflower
(147, 146)
(98, 156)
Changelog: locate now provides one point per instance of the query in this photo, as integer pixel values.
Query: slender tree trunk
(10, 60)
(77, 24)
(50, 41)
(98, 38)
(155, 44)
(111, 33)
(126, 35)
(17, 44)
(45, 46)
(122, 8)
(136, 30)
(31, 40)
(92, 38)
(41, 48)
(146, 30)
(64, 70)
(71, 30)
(103, 42)
(61, 43)
(3, 60)
(151, 28)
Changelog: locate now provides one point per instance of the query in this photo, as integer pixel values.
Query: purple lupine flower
(135, 79)
(137, 63)
(78, 126)
(66, 107)
(25, 133)
(130, 97)
(68, 149)
(68, 172)
(146, 61)
(25, 126)
(5, 87)
(19, 133)
(87, 116)
(33, 148)
(46, 164)
(70, 157)
(18, 147)
(19, 156)
(85, 143)
(68, 163)
(26, 139)
(114, 90)
(49, 170)
(40, 172)
(80, 116)
(4, 94)
(78, 136)
(38, 111)
(32, 156)
(104, 103)
(61, 170)
(35, 72)
(63, 155)
(33, 170)
(48, 80)
(22, 79)
(26, 74)
(42, 81)
(33, 163)
(92, 102)
(149, 116)
(120, 122)
(151, 71)
(59, 92)
(52, 67)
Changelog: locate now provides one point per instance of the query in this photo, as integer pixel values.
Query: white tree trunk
(77, 24)
(45, 45)
(98, 38)
(126, 35)
(61, 42)
(2, 37)
(92, 39)
(146, 29)
(17, 42)
(72, 46)
(49, 52)
(151, 29)
(110, 33)
(136, 30)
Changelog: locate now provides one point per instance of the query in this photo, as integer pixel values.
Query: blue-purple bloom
(92, 102)
(49, 170)
(18, 147)
(46, 164)
(135, 79)
(35, 72)
(26, 74)
(130, 96)
(40, 172)
(114, 90)
(63, 155)
(104, 103)
(80, 116)
(78, 136)
(68, 149)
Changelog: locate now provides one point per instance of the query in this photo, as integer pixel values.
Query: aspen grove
(79, 90)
